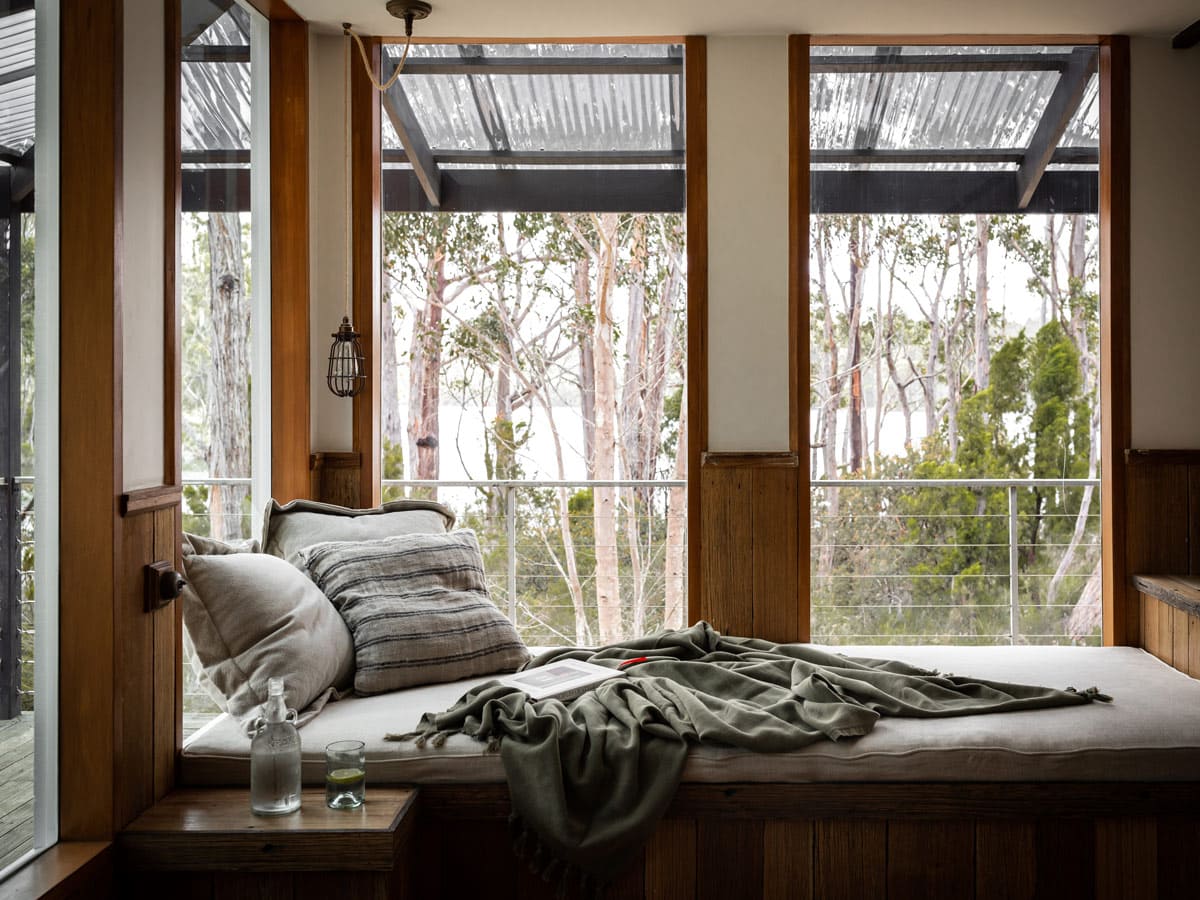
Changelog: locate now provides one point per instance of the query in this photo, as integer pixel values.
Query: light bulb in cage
(347, 367)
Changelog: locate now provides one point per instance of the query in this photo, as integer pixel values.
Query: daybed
(1080, 801)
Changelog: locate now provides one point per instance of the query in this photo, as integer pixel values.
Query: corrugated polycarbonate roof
(558, 111)
(17, 82)
(942, 99)
(215, 113)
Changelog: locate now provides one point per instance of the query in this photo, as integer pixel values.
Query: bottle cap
(275, 687)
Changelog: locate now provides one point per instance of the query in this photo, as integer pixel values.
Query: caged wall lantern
(347, 374)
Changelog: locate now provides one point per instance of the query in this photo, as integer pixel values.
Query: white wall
(1165, 218)
(141, 258)
(747, 243)
(330, 418)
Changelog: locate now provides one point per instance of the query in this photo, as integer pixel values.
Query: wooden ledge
(68, 869)
(151, 498)
(1180, 591)
(1180, 457)
(213, 830)
(783, 460)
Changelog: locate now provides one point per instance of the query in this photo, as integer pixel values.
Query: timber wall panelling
(894, 841)
(749, 534)
(90, 452)
(799, 205)
(366, 230)
(695, 62)
(336, 478)
(145, 666)
(1121, 615)
(290, 361)
(1162, 516)
(118, 665)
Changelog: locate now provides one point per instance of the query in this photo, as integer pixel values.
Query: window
(534, 339)
(225, 309)
(954, 340)
(28, 439)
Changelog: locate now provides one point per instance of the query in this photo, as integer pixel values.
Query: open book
(563, 680)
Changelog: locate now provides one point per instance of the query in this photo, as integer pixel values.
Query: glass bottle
(275, 757)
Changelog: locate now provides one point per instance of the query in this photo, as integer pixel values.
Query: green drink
(345, 775)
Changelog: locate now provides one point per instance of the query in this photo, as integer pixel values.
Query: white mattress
(1150, 732)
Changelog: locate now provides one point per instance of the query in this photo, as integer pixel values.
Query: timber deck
(16, 796)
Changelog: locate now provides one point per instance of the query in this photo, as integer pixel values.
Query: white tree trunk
(229, 376)
(608, 593)
(675, 605)
(424, 390)
(983, 353)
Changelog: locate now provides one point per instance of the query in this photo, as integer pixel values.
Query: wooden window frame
(1120, 614)
(366, 151)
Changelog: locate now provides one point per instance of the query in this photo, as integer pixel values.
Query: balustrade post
(510, 527)
(1014, 598)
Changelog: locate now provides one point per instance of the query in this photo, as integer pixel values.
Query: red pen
(633, 662)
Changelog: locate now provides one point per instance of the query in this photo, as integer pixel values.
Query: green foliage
(929, 563)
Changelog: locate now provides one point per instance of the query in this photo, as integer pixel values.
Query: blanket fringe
(1092, 693)
(543, 863)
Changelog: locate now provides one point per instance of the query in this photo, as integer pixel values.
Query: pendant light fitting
(346, 375)
(408, 10)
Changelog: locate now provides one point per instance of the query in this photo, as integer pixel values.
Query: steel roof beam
(216, 53)
(16, 75)
(11, 7)
(1187, 38)
(22, 177)
(516, 190)
(416, 146)
(198, 16)
(543, 65)
(549, 157)
(869, 156)
(487, 104)
(942, 62)
(949, 193)
(1061, 106)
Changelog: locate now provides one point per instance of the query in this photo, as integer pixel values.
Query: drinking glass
(345, 774)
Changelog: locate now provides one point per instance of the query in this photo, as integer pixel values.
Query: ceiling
(581, 18)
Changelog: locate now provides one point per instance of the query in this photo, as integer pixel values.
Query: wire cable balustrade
(972, 573)
(870, 561)
(520, 528)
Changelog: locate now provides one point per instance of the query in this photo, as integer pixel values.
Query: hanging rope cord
(349, 182)
(381, 87)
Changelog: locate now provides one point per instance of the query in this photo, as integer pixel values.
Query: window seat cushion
(1150, 732)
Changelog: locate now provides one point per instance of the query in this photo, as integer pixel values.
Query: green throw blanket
(589, 779)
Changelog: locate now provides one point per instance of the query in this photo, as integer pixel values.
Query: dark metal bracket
(162, 585)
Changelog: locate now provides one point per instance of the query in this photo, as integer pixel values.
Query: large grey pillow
(252, 617)
(203, 545)
(418, 607)
(290, 528)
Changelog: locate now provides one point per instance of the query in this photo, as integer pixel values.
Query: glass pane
(504, 333)
(954, 336)
(220, 294)
(28, 455)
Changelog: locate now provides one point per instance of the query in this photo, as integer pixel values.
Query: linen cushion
(418, 608)
(202, 545)
(252, 617)
(290, 528)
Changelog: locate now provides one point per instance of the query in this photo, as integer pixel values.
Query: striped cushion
(418, 608)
